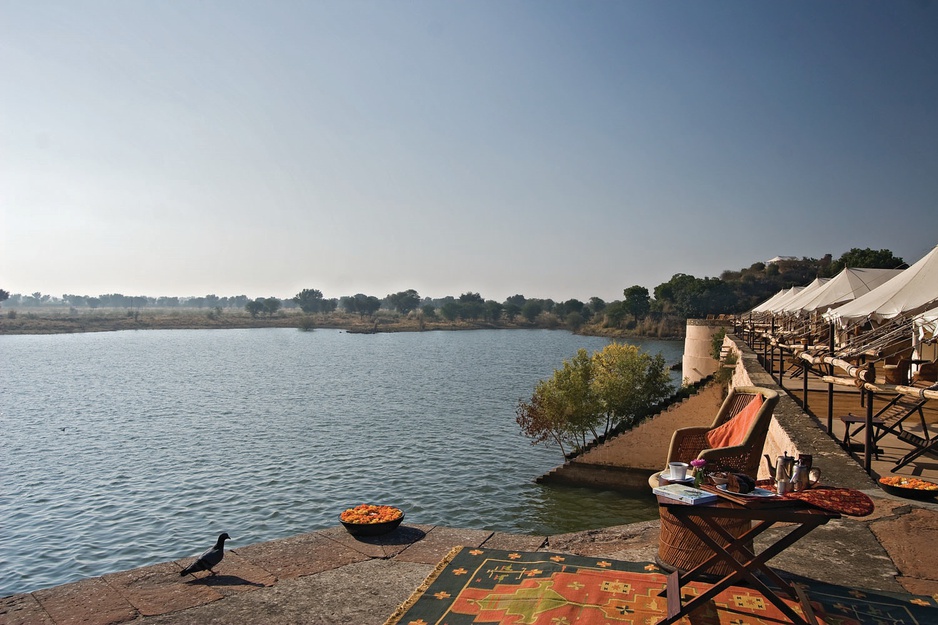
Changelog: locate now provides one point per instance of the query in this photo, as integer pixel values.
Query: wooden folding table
(701, 520)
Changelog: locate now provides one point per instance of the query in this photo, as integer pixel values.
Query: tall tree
(309, 300)
(636, 301)
(404, 301)
(867, 259)
(592, 395)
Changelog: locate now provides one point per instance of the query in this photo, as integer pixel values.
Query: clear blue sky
(553, 149)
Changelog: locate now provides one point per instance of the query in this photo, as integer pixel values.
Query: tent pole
(868, 445)
(830, 387)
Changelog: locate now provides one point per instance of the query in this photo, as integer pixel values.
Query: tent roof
(912, 291)
(777, 299)
(846, 286)
(795, 303)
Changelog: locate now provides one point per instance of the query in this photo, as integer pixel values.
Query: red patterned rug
(482, 586)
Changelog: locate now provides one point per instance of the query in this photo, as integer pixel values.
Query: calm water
(130, 448)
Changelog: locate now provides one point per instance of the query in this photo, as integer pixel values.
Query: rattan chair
(678, 547)
(691, 443)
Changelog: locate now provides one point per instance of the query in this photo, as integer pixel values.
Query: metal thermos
(784, 467)
(799, 479)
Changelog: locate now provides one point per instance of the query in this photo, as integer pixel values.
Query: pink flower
(698, 463)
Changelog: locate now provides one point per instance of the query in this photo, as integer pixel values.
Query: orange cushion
(734, 431)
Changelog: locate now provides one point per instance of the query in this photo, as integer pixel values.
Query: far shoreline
(40, 322)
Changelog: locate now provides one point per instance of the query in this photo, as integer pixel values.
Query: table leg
(743, 569)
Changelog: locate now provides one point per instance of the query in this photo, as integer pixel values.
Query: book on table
(685, 493)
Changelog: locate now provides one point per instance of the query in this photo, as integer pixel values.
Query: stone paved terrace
(331, 577)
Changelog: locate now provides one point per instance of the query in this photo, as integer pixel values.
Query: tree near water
(637, 302)
(404, 301)
(590, 396)
(309, 300)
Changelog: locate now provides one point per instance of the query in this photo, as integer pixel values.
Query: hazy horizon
(557, 150)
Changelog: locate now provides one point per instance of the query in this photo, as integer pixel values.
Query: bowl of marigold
(911, 487)
(370, 520)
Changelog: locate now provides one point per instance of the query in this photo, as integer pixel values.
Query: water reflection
(559, 509)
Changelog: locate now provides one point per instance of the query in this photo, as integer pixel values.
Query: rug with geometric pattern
(486, 586)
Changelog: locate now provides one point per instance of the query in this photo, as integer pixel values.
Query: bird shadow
(223, 580)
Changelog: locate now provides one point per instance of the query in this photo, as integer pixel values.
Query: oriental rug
(486, 586)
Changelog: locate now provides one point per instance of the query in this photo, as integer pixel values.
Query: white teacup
(678, 470)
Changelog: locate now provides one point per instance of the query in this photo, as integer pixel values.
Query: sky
(554, 149)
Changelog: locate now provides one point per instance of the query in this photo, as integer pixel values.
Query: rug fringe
(401, 609)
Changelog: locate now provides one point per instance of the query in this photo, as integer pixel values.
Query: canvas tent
(846, 286)
(794, 304)
(927, 323)
(778, 299)
(912, 291)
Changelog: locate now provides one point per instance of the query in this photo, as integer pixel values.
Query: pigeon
(211, 557)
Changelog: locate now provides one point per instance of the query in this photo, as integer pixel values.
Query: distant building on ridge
(778, 259)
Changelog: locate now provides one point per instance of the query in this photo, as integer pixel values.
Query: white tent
(846, 286)
(778, 299)
(912, 291)
(924, 330)
(795, 303)
(927, 323)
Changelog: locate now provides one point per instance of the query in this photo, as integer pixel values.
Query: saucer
(667, 476)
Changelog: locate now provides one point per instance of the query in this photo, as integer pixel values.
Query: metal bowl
(372, 529)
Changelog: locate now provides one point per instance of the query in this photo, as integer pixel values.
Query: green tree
(4, 295)
(592, 395)
(531, 309)
(451, 310)
(867, 259)
(309, 300)
(627, 381)
(559, 407)
(272, 306)
(636, 301)
(366, 305)
(689, 297)
(613, 314)
(597, 304)
(493, 310)
(255, 307)
(404, 301)
(511, 311)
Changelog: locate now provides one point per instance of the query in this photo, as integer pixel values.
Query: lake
(124, 449)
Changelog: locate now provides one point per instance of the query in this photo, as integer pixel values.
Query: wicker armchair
(690, 443)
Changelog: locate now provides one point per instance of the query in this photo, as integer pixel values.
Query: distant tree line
(661, 312)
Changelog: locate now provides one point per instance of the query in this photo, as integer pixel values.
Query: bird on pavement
(209, 558)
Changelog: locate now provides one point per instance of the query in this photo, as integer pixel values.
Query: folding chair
(925, 444)
(888, 419)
